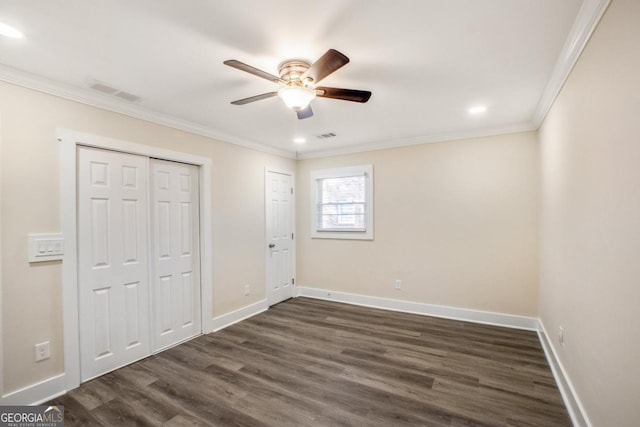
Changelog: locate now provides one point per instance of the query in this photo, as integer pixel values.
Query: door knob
(272, 245)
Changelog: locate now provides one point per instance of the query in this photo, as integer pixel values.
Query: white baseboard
(476, 316)
(36, 394)
(569, 395)
(51, 388)
(228, 319)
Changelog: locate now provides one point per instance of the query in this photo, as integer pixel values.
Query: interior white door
(112, 260)
(279, 218)
(176, 252)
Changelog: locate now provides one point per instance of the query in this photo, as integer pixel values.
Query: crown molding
(586, 22)
(106, 102)
(427, 139)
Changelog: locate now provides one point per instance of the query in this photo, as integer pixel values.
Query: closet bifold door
(175, 241)
(113, 264)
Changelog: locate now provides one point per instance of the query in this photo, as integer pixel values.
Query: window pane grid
(341, 204)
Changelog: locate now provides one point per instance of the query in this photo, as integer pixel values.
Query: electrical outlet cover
(42, 351)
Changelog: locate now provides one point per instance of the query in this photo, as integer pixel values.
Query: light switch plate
(45, 247)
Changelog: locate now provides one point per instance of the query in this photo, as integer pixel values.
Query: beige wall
(590, 220)
(455, 221)
(31, 294)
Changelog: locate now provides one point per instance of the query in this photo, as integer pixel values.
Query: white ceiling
(426, 62)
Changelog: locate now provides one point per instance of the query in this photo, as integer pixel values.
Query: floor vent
(110, 90)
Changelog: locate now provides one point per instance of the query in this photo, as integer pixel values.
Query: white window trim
(367, 171)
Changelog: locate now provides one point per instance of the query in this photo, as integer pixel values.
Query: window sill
(342, 235)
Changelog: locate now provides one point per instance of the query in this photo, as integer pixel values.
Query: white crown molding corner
(427, 139)
(586, 22)
(455, 313)
(569, 396)
(225, 320)
(37, 393)
(87, 97)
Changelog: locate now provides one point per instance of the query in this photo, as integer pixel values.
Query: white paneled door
(112, 260)
(279, 219)
(138, 259)
(176, 257)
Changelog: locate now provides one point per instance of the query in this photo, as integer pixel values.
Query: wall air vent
(110, 90)
(326, 135)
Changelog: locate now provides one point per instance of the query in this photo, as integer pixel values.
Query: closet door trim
(69, 140)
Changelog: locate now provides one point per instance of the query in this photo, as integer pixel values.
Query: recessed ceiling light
(9, 31)
(299, 140)
(478, 109)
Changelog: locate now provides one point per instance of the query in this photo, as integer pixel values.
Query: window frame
(316, 175)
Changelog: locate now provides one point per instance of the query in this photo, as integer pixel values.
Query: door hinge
(291, 236)
(293, 281)
(291, 190)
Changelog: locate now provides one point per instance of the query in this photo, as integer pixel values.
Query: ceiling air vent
(102, 87)
(126, 95)
(110, 90)
(326, 135)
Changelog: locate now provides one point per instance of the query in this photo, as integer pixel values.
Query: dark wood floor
(315, 363)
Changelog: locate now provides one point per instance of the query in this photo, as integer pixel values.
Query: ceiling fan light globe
(296, 97)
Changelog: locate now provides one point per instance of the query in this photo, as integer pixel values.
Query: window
(342, 203)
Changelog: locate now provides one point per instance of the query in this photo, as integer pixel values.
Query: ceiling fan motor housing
(292, 70)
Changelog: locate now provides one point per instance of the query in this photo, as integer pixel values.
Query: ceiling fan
(298, 79)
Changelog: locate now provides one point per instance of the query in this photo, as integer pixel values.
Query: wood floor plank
(309, 362)
(117, 413)
(74, 413)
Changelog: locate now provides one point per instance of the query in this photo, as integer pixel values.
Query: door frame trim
(69, 141)
(291, 173)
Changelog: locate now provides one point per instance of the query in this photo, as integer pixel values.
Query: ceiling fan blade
(325, 65)
(305, 114)
(343, 94)
(255, 98)
(252, 70)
